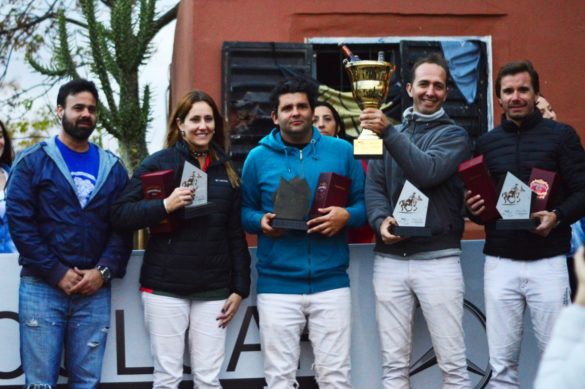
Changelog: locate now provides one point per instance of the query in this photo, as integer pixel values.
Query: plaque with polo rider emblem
(196, 178)
(514, 205)
(410, 212)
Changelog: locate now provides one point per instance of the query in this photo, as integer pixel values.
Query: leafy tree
(25, 132)
(113, 52)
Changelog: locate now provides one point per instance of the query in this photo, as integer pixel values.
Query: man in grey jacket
(426, 150)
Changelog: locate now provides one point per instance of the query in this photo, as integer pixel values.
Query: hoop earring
(182, 133)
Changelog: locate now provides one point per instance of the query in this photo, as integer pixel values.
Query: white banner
(128, 363)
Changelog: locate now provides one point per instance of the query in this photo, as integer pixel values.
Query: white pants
(438, 286)
(282, 320)
(510, 286)
(167, 319)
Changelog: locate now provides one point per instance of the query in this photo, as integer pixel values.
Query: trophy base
(289, 224)
(405, 231)
(516, 224)
(368, 148)
(194, 211)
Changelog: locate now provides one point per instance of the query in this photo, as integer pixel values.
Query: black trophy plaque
(291, 204)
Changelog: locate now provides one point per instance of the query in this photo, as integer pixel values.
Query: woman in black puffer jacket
(195, 277)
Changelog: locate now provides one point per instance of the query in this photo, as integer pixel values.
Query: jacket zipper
(518, 152)
(516, 233)
(308, 242)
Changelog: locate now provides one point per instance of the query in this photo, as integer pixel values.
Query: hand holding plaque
(158, 185)
(410, 213)
(514, 205)
(196, 178)
(476, 178)
(332, 190)
(291, 204)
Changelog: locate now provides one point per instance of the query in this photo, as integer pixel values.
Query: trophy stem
(368, 145)
(366, 134)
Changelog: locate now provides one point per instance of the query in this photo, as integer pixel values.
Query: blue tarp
(463, 58)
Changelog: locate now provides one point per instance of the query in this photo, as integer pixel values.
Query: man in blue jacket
(426, 150)
(301, 275)
(58, 204)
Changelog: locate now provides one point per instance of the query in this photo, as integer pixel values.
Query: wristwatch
(559, 216)
(105, 272)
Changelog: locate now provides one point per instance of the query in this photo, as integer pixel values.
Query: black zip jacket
(537, 143)
(205, 253)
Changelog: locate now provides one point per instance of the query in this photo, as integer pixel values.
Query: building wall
(550, 34)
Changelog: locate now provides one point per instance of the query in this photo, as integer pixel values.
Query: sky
(155, 72)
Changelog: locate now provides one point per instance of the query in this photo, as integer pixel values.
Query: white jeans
(167, 319)
(510, 286)
(282, 320)
(438, 286)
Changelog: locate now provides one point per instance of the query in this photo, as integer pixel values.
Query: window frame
(487, 40)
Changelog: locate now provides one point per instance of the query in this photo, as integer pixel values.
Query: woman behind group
(194, 278)
(6, 157)
(329, 123)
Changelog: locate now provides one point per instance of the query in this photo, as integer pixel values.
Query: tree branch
(166, 18)
(39, 20)
(108, 3)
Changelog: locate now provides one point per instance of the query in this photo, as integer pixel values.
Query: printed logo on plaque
(411, 212)
(514, 205)
(195, 178)
(540, 188)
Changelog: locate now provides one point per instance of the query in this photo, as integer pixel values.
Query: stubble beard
(299, 136)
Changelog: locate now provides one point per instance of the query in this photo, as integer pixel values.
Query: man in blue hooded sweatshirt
(302, 275)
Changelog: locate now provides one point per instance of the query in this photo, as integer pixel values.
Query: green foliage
(34, 128)
(114, 53)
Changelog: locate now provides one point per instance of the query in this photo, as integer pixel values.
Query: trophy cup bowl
(370, 81)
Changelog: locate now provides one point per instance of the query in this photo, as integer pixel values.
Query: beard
(75, 131)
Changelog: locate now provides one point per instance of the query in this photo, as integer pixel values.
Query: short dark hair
(8, 155)
(74, 87)
(293, 85)
(512, 68)
(434, 58)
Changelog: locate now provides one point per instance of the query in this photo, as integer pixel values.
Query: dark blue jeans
(51, 321)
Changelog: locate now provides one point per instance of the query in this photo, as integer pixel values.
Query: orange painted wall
(551, 34)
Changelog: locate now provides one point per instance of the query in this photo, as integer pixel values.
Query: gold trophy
(370, 81)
